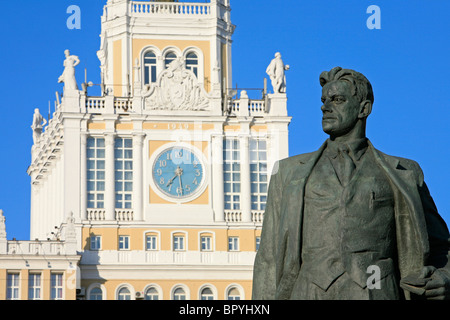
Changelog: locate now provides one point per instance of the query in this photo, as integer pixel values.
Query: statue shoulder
(402, 163)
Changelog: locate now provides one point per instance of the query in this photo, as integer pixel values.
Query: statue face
(340, 108)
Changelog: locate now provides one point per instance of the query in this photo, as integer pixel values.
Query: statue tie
(346, 165)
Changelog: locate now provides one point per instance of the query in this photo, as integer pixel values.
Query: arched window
(207, 294)
(192, 63)
(149, 67)
(124, 294)
(179, 294)
(233, 294)
(151, 294)
(96, 294)
(169, 58)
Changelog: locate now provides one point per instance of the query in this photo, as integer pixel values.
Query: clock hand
(178, 172)
(181, 184)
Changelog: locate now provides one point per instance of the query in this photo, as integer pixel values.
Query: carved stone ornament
(177, 88)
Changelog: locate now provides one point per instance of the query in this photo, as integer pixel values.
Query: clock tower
(165, 173)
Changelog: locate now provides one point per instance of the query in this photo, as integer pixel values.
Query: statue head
(347, 98)
(67, 53)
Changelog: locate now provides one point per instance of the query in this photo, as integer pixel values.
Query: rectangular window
(56, 286)
(12, 286)
(96, 173)
(123, 154)
(232, 174)
(258, 173)
(258, 242)
(34, 286)
(178, 243)
(96, 242)
(206, 243)
(233, 243)
(124, 242)
(151, 242)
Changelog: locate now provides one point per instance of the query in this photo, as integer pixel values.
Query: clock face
(178, 172)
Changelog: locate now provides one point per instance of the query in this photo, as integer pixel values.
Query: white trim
(129, 287)
(238, 287)
(198, 153)
(158, 289)
(182, 286)
(209, 286)
(213, 244)
(201, 62)
(158, 243)
(186, 238)
(93, 286)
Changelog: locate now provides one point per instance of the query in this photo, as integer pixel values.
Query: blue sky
(407, 61)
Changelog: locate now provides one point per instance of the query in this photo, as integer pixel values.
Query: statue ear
(365, 109)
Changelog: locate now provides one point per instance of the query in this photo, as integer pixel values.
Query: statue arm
(438, 264)
(264, 274)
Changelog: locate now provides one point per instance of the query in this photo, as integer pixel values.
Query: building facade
(155, 189)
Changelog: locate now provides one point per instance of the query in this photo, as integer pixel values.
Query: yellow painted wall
(161, 44)
(110, 237)
(117, 68)
(168, 285)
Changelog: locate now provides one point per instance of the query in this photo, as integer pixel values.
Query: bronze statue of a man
(348, 221)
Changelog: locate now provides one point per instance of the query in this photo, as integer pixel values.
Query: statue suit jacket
(422, 236)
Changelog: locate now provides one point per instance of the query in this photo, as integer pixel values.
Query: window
(151, 294)
(34, 286)
(258, 242)
(96, 173)
(12, 286)
(233, 294)
(96, 294)
(149, 68)
(170, 57)
(233, 243)
(56, 286)
(124, 294)
(192, 63)
(96, 242)
(151, 242)
(124, 242)
(232, 174)
(179, 294)
(178, 243)
(258, 173)
(207, 294)
(206, 243)
(123, 154)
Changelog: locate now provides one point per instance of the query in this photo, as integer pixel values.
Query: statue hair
(361, 86)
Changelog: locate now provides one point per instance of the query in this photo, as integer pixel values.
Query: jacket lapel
(412, 236)
(291, 221)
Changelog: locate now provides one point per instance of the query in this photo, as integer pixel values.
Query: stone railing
(236, 216)
(96, 214)
(247, 107)
(169, 257)
(139, 8)
(124, 215)
(108, 105)
(45, 248)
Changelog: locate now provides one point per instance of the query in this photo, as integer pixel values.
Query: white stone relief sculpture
(276, 71)
(177, 89)
(38, 123)
(68, 76)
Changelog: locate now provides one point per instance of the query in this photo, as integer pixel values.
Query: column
(138, 187)
(217, 177)
(110, 195)
(246, 204)
(83, 177)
